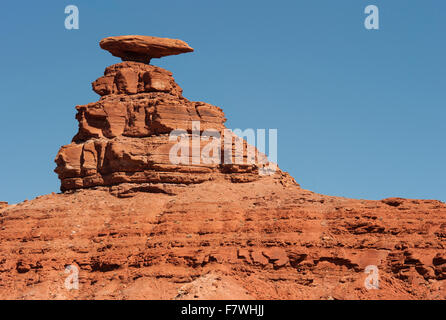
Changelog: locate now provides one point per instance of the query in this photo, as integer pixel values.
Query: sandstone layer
(260, 240)
(143, 48)
(124, 138)
(134, 225)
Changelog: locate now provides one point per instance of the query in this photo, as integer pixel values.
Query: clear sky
(360, 113)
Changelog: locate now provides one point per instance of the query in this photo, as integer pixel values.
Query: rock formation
(136, 226)
(143, 48)
(124, 139)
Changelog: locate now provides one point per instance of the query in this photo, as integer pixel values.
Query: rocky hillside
(133, 225)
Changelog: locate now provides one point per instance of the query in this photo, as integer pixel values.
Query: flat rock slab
(143, 48)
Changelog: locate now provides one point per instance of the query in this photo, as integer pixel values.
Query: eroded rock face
(194, 231)
(220, 240)
(124, 138)
(132, 77)
(143, 48)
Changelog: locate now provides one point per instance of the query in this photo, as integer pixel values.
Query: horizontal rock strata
(259, 240)
(133, 224)
(124, 138)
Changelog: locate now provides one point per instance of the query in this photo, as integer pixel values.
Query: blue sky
(359, 113)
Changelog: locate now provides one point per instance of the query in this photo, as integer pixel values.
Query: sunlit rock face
(125, 137)
(133, 224)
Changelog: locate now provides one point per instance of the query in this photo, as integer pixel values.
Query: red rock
(132, 77)
(143, 48)
(259, 258)
(278, 256)
(244, 255)
(138, 227)
(171, 239)
(124, 137)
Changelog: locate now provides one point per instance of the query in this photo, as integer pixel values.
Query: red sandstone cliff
(137, 226)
